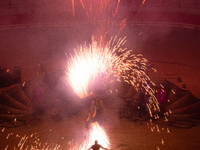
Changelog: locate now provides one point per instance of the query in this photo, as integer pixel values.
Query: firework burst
(96, 133)
(94, 66)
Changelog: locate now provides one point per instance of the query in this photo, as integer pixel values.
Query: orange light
(96, 133)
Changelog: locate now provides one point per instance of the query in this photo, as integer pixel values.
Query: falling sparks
(173, 91)
(73, 7)
(102, 13)
(143, 2)
(8, 136)
(31, 142)
(168, 131)
(162, 142)
(15, 121)
(6, 147)
(117, 8)
(93, 6)
(158, 130)
(3, 129)
(165, 119)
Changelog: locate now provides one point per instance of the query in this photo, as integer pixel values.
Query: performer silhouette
(96, 146)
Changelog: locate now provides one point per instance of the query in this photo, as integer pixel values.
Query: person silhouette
(96, 146)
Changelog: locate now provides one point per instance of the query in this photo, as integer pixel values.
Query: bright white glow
(88, 64)
(96, 65)
(96, 133)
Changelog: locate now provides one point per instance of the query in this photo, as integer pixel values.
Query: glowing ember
(143, 2)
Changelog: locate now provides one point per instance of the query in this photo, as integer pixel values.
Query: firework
(92, 64)
(96, 133)
(99, 64)
(89, 63)
(98, 7)
(102, 13)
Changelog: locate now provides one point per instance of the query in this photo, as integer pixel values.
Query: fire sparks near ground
(96, 133)
(29, 142)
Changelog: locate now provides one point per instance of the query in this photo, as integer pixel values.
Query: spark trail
(102, 13)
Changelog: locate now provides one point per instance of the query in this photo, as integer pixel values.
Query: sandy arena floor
(123, 134)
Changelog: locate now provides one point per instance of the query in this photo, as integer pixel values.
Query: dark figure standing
(95, 111)
(96, 146)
